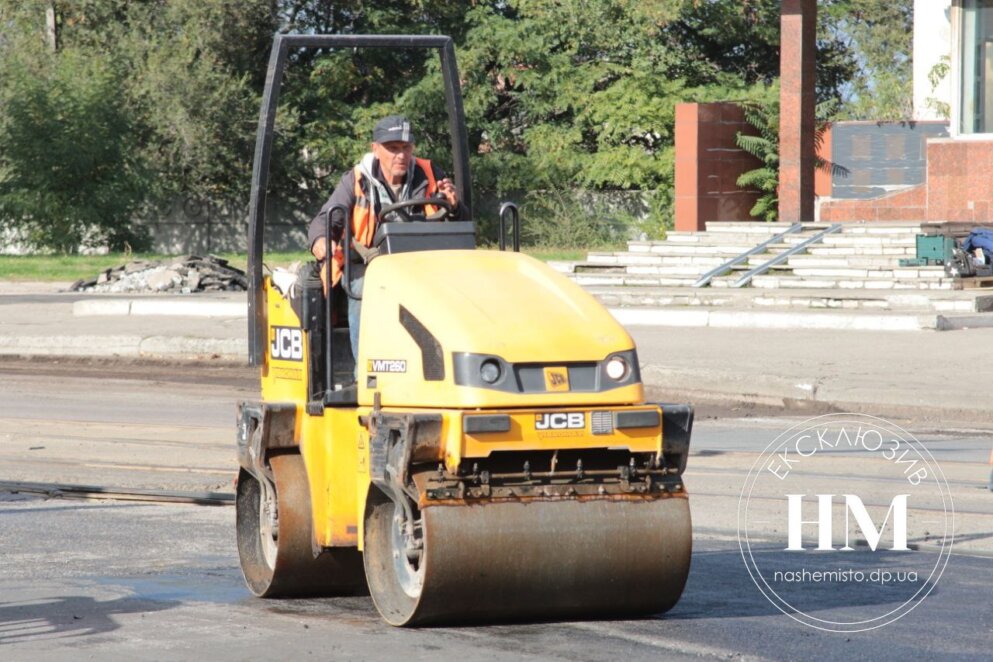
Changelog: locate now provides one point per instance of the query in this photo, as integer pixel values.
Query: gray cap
(391, 129)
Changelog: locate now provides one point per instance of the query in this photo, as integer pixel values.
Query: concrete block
(656, 317)
(90, 307)
(189, 308)
(562, 267)
(954, 322)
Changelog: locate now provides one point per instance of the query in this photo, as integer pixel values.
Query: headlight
(489, 371)
(617, 368)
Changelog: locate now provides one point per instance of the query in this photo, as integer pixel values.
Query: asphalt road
(117, 580)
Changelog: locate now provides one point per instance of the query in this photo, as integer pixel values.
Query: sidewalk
(939, 378)
(39, 320)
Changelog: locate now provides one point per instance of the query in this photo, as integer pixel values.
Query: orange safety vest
(364, 222)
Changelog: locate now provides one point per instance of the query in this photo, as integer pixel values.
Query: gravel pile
(192, 273)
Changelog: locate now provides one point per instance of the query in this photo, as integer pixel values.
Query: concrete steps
(861, 256)
(850, 280)
(956, 301)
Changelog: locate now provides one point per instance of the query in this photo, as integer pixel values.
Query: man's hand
(447, 189)
(320, 249)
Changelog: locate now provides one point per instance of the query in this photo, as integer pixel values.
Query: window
(977, 66)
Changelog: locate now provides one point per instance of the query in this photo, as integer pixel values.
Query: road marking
(673, 646)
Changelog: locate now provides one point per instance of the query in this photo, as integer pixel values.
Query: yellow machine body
(488, 302)
(494, 458)
(498, 422)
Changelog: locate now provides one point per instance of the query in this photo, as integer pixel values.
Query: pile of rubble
(191, 273)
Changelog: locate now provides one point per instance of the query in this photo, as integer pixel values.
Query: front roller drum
(525, 560)
(275, 539)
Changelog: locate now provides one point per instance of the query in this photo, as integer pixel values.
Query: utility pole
(51, 27)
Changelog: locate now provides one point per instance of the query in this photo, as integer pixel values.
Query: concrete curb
(128, 346)
(728, 389)
(175, 307)
(697, 317)
(826, 320)
(77, 345)
(229, 349)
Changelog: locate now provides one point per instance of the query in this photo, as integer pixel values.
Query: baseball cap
(393, 128)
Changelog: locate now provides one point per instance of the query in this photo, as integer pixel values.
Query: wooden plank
(975, 282)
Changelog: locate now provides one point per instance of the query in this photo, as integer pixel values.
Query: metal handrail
(717, 271)
(785, 255)
(508, 210)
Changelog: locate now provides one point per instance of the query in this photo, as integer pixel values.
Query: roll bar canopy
(281, 46)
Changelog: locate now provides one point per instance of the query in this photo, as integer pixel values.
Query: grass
(55, 268)
(75, 267)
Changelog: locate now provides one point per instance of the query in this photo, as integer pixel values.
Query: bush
(562, 219)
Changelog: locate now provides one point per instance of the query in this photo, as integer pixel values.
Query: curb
(730, 390)
(184, 348)
(176, 307)
(739, 319)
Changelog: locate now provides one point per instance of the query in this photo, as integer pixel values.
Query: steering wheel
(399, 209)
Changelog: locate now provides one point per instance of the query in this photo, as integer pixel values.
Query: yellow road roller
(489, 456)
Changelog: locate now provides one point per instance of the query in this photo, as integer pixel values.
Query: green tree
(562, 96)
(878, 38)
(68, 175)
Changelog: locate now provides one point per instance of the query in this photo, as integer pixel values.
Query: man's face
(394, 159)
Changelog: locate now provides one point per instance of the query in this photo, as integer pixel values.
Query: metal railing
(727, 266)
(785, 255)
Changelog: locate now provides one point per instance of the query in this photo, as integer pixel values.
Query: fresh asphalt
(115, 580)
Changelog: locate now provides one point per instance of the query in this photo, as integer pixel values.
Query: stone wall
(708, 164)
(956, 187)
(960, 180)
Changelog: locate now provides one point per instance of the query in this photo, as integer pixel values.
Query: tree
(68, 176)
(563, 96)
(878, 37)
(171, 89)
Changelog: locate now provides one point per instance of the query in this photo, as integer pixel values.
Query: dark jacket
(344, 194)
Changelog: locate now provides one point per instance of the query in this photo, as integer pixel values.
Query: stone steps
(851, 280)
(630, 280)
(832, 261)
(876, 300)
(776, 281)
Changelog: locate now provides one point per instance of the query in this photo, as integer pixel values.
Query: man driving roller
(388, 174)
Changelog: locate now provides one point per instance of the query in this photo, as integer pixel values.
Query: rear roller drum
(543, 559)
(275, 538)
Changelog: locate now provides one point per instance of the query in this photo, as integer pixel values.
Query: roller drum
(284, 565)
(534, 560)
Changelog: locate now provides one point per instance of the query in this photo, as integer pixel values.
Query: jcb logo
(286, 343)
(560, 421)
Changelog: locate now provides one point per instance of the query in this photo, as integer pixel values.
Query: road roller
(489, 454)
